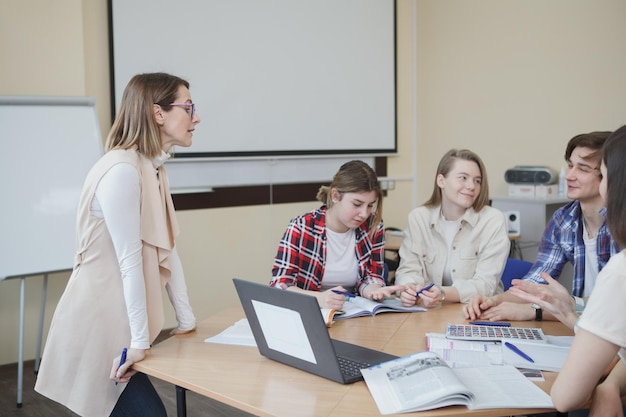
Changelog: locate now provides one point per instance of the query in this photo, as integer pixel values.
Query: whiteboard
(49, 145)
(271, 77)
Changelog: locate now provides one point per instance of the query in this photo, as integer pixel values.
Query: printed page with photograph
(423, 381)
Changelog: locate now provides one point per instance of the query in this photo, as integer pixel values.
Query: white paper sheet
(237, 334)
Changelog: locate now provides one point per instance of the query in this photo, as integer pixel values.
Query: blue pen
(491, 323)
(426, 288)
(122, 360)
(346, 293)
(518, 351)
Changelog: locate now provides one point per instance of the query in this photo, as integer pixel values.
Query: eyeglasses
(190, 106)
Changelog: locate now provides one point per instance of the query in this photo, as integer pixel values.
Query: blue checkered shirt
(562, 242)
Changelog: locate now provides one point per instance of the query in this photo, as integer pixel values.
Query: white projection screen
(270, 77)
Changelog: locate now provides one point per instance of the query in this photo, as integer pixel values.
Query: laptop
(288, 327)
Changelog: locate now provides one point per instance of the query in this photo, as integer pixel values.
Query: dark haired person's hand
(551, 297)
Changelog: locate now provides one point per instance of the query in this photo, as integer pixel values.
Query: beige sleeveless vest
(90, 325)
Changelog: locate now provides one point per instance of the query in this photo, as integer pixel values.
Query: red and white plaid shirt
(302, 253)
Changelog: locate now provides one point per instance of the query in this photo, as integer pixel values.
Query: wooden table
(240, 377)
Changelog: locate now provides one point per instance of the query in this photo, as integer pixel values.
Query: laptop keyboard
(351, 368)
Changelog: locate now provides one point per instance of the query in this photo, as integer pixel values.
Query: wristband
(580, 303)
(538, 312)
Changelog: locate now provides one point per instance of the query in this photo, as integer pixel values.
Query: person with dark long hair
(601, 329)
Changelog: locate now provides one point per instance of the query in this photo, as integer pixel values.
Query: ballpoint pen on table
(346, 293)
(518, 351)
(122, 360)
(426, 288)
(491, 323)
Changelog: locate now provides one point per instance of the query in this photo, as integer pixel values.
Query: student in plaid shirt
(338, 247)
(577, 233)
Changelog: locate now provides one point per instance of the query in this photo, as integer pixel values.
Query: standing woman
(601, 329)
(339, 246)
(455, 240)
(126, 254)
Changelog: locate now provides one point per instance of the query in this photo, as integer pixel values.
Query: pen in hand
(426, 288)
(518, 351)
(345, 293)
(122, 360)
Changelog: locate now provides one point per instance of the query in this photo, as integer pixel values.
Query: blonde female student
(455, 240)
(338, 247)
(601, 329)
(126, 254)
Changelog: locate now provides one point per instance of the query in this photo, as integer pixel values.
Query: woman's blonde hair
(445, 166)
(355, 177)
(135, 124)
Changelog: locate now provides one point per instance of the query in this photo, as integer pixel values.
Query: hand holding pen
(430, 298)
(334, 297)
(121, 362)
(426, 288)
(122, 371)
(432, 295)
(344, 293)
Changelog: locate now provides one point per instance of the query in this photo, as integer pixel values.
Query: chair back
(514, 268)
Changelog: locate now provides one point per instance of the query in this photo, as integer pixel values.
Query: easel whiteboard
(48, 146)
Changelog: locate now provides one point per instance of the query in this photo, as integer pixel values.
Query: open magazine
(423, 381)
(359, 306)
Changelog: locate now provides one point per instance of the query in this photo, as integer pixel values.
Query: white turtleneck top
(117, 201)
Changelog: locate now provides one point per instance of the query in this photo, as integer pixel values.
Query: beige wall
(512, 80)
(515, 79)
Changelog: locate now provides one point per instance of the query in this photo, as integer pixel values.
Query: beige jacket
(479, 251)
(90, 325)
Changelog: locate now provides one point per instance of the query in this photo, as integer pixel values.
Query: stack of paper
(547, 356)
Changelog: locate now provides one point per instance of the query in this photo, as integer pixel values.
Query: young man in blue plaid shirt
(577, 233)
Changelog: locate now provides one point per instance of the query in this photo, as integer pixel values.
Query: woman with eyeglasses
(126, 255)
